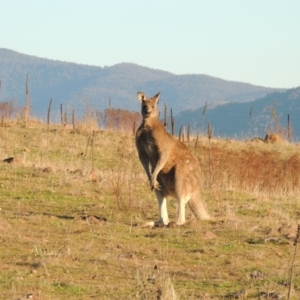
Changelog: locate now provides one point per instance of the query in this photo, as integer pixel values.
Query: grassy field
(72, 204)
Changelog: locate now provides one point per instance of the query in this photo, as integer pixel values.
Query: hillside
(234, 120)
(77, 86)
(72, 204)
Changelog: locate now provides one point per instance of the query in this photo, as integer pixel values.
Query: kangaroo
(171, 168)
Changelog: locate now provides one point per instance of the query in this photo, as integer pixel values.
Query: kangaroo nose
(146, 109)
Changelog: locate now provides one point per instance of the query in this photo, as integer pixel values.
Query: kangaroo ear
(141, 96)
(156, 98)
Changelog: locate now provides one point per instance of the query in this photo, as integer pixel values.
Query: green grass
(76, 235)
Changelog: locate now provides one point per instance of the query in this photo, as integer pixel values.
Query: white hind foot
(159, 223)
(148, 224)
(179, 223)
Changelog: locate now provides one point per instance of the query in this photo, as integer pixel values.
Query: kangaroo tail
(198, 208)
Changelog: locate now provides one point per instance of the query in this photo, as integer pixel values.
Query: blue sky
(254, 41)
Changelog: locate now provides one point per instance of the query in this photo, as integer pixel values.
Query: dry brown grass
(250, 167)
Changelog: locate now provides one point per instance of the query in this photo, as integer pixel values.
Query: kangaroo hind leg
(181, 209)
(163, 219)
(162, 208)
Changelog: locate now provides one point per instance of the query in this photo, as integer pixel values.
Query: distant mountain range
(79, 87)
(249, 119)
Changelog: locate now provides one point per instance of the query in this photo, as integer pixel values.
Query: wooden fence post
(188, 133)
(172, 121)
(61, 114)
(289, 129)
(49, 112)
(165, 117)
(134, 128)
(209, 131)
(181, 134)
(73, 119)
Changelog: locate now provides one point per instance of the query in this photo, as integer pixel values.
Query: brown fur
(171, 168)
(273, 138)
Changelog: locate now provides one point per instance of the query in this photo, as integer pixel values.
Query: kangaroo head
(149, 108)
